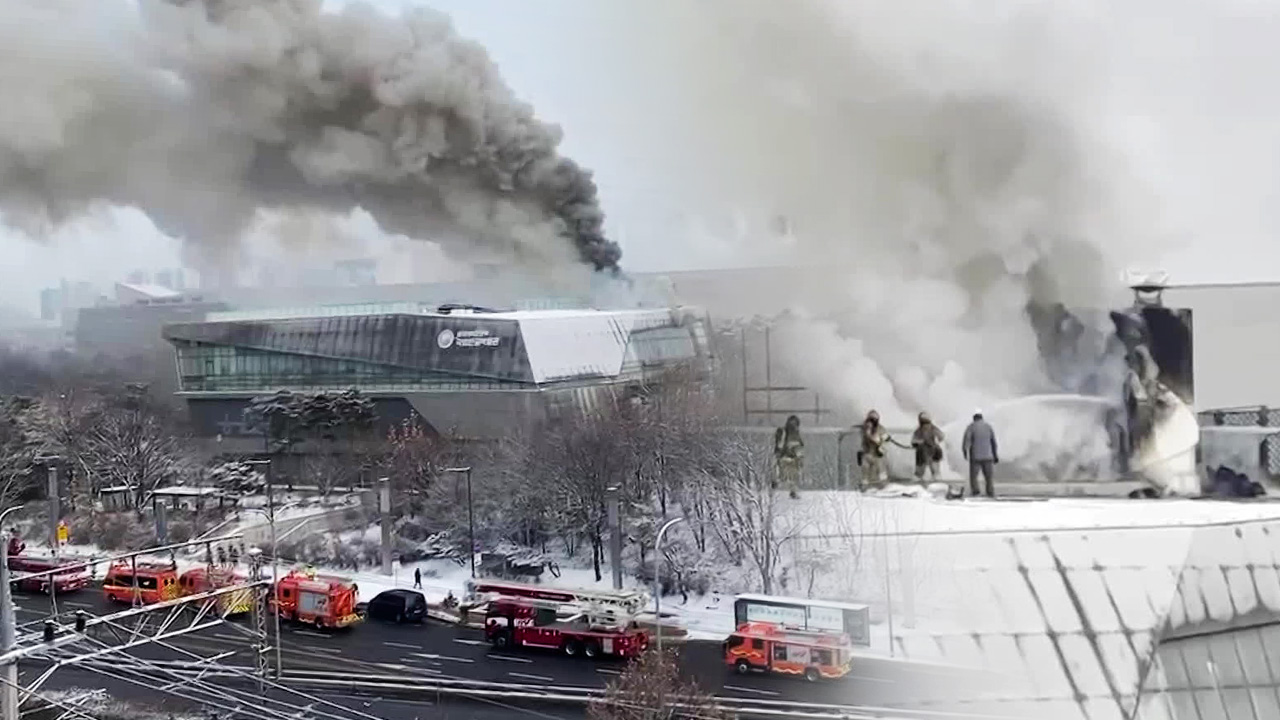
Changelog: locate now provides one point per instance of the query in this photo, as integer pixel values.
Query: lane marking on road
(739, 688)
(402, 645)
(393, 701)
(78, 604)
(508, 658)
(433, 656)
(607, 671)
(312, 633)
(224, 636)
(539, 678)
(468, 641)
(407, 668)
(323, 649)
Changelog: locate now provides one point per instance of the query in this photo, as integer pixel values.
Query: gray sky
(563, 56)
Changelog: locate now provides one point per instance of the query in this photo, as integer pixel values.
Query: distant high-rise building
(50, 304)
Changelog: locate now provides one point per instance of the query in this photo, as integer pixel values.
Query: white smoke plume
(939, 165)
(202, 112)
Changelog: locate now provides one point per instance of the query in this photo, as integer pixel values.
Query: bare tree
(132, 444)
(752, 520)
(63, 422)
(652, 688)
(576, 460)
(327, 471)
(414, 456)
(18, 448)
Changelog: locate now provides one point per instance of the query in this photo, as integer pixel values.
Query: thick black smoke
(200, 112)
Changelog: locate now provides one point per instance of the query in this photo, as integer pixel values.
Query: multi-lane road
(441, 651)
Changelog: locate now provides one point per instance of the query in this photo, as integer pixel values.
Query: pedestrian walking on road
(979, 447)
(417, 579)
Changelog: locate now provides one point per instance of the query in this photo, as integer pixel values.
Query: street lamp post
(8, 626)
(471, 518)
(657, 581)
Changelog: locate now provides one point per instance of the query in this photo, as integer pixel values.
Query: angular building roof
(526, 347)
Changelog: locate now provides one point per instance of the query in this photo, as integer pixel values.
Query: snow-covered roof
(147, 290)
(1084, 606)
(185, 491)
(753, 597)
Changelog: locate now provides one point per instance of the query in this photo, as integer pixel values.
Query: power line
(69, 708)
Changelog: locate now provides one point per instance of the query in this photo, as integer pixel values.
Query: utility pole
(384, 511)
(258, 618)
(471, 524)
(8, 628)
(615, 536)
(55, 502)
(162, 527)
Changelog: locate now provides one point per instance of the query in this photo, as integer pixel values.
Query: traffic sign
(63, 533)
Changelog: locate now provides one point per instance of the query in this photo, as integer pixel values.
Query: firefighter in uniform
(871, 457)
(927, 443)
(788, 450)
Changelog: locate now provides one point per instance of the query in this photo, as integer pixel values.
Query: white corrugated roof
(1077, 604)
(564, 344)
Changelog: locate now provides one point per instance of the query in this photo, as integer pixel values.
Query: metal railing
(1248, 416)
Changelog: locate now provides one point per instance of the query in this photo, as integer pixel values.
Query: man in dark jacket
(979, 448)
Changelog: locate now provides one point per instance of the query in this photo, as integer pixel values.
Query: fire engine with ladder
(622, 602)
(553, 625)
(768, 648)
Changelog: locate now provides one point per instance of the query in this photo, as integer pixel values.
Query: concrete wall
(1237, 346)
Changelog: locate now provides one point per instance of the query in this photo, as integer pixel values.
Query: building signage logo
(467, 339)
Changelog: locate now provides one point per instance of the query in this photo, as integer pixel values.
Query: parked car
(398, 606)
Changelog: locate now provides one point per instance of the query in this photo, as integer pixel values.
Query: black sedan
(399, 606)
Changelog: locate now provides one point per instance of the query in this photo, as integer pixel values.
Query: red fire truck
(205, 579)
(765, 647)
(141, 582)
(517, 622)
(73, 579)
(324, 601)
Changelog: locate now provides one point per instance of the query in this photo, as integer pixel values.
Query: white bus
(804, 614)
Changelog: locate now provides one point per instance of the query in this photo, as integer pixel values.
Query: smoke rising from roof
(936, 166)
(201, 112)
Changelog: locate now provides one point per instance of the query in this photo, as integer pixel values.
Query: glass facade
(214, 368)
(399, 352)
